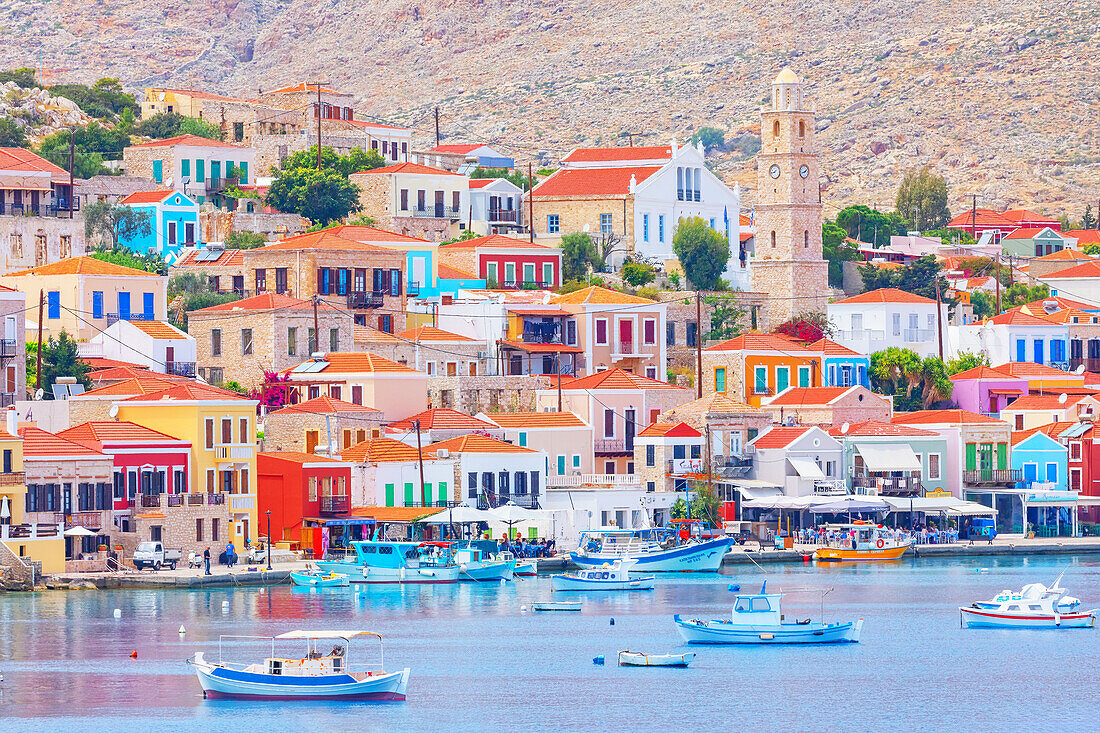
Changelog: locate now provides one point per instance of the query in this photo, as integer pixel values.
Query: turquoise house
(174, 220)
(427, 278)
(840, 366)
(1040, 459)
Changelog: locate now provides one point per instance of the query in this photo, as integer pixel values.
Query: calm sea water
(479, 663)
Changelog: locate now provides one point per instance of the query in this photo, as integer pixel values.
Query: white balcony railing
(234, 452)
(918, 335)
(594, 479)
(242, 502)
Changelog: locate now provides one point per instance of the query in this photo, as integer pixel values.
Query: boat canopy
(459, 515)
(345, 635)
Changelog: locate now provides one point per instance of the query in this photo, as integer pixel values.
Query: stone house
(1062, 259)
(440, 353)
(305, 427)
(364, 379)
(36, 227)
(732, 425)
(267, 332)
(669, 456)
(438, 424)
(415, 199)
(225, 267)
(826, 406)
(67, 481)
(195, 166)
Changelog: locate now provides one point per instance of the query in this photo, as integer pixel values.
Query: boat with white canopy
(1035, 606)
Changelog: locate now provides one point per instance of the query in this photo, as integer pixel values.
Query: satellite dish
(587, 228)
(1062, 398)
(39, 393)
(168, 182)
(844, 429)
(160, 97)
(113, 412)
(1080, 369)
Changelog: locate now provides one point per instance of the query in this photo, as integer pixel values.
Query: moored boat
(609, 576)
(557, 606)
(628, 658)
(386, 561)
(861, 543)
(758, 619)
(1035, 606)
(478, 560)
(315, 579)
(316, 676)
(526, 568)
(653, 549)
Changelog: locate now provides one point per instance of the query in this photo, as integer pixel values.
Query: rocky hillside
(1001, 97)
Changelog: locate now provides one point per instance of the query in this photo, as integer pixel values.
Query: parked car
(155, 555)
(740, 532)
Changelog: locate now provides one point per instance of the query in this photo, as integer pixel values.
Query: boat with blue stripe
(653, 549)
(395, 561)
(317, 676)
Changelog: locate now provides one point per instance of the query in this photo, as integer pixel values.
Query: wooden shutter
(311, 441)
(971, 456)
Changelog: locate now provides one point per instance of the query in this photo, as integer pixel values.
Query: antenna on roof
(1062, 398)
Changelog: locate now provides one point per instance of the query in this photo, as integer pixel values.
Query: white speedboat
(316, 676)
(654, 549)
(628, 658)
(1035, 606)
(609, 576)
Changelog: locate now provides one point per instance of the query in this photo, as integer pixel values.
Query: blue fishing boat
(612, 576)
(316, 676)
(654, 549)
(316, 579)
(479, 560)
(758, 619)
(395, 561)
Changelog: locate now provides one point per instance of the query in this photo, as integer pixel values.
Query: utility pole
(997, 277)
(316, 327)
(437, 138)
(974, 219)
(318, 125)
(38, 356)
(557, 368)
(698, 347)
(420, 456)
(630, 135)
(531, 203)
(72, 159)
(939, 318)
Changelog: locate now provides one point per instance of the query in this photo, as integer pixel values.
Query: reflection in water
(478, 661)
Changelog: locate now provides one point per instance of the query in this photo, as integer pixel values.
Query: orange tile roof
(1052, 429)
(357, 362)
(394, 514)
(617, 379)
(1069, 314)
(539, 348)
(83, 266)
(537, 420)
(476, 444)
(193, 140)
(112, 374)
(261, 302)
(1022, 233)
(1084, 236)
(368, 335)
(323, 405)
(431, 333)
(100, 362)
(1027, 215)
(1063, 255)
(982, 372)
(780, 436)
(227, 258)
(831, 348)
(337, 240)
(592, 181)
(199, 94)
(297, 457)
(147, 197)
(442, 418)
(603, 155)
(413, 168)
(159, 330)
(37, 443)
(887, 295)
(595, 295)
(1016, 317)
(188, 392)
(115, 431)
(762, 342)
(1088, 269)
(943, 417)
(447, 272)
(302, 87)
(23, 160)
(1061, 301)
(380, 450)
(808, 396)
(141, 385)
(873, 428)
(1043, 402)
(1031, 369)
(670, 430)
(362, 233)
(498, 241)
(981, 218)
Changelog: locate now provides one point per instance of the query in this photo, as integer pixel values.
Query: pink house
(985, 390)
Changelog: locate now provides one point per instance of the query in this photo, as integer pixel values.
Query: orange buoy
(133, 654)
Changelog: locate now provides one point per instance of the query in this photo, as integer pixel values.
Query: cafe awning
(806, 468)
(888, 457)
(937, 505)
(750, 488)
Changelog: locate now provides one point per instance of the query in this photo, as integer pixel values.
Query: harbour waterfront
(479, 663)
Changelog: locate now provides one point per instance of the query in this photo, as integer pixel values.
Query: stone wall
(138, 161)
(375, 196)
(576, 211)
(178, 527)
(681, 311)
(13, 571)
(30, 241)
(486, 394)
(217, 225)
(94, 407)
(286, 431)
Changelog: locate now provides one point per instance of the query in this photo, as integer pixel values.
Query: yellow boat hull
(836, 554)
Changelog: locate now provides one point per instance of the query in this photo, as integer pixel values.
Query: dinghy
(628, 658)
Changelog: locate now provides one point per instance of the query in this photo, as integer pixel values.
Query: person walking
(206, 559)
(230, 554)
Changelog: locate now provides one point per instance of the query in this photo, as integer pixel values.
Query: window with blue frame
(343, 282)
(1038, 351)
(645, 227)
(97, 304)
(553, 224)
(53, 304)
(712, 223)
(1021, 350)
(147, 305)
(661, 228)
(1057, 350)
(325, 281)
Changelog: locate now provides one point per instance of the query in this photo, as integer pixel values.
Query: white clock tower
(788, 264)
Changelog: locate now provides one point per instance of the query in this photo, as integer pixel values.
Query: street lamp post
(268, 513)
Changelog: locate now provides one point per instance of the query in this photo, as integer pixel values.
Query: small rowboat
(558, 606)
(628, 658)
(526, 569)
(319, 580)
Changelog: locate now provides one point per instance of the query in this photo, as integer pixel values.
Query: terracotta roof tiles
(535, 420)
(38, 443)
(380, 450)
(886, 295)
(115, 431)
(476, 444)
(431, 333)
(877, 428)
(943, 417)
(780, 436)
(192, 140)
(808, 396)
(83, 266)
(618, 379)
(592, 181)
(595, 295)
(442, 418)
(323, 405)
(670, 430)
(608, 155)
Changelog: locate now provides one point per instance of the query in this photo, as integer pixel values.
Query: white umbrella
(80, 532)
(512, 513)
(5, 508)
(459, 515)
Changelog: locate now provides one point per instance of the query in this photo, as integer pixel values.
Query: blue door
(1021, 350)
(1052, 473)
(124, 306)
(1038, 351)
(1031, 473)
(147, 305)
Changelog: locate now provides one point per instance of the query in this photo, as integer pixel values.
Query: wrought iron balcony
(993, 476)
(8, 348)
(609, 445)
(335, 504)
(505, 215)
(890, 485)
(59, 210)
(438, 211)
(364, 300)
(113, 318)
(180, 368)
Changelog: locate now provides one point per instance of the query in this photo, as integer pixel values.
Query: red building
(146, 462)
(1082, 441)
(296, 487)
(510, 263)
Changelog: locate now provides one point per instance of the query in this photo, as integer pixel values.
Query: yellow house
(83, 295)
(221, 426)
(29, 543)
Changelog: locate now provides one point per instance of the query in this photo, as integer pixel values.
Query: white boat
(609, 576)
(478, 560)
(758, 619)
(654, 549)
(316, 676)
(628, 658)
(384, 561)
(558, 606)
(526, 568)
(1035, 606)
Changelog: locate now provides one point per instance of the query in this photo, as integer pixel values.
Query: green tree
(188, 283)
(113, 224)
(149, 261)
(201, 128)
(936, 385)
(1091, 249)
(836, 251)
(711, 137)
(59, 359)
(23, 77)
(198, 301)
(638, 273)
(245, 240)
(1019, 294)
(966, 360)
(726, 317)
(578, 253)
(103, 100)
(161, 125)
(323, 196)
(1088, 221)
(11, 134)
(871, 225)
(922, 199)
(514, 177)
(895, 371)
(465, 236)
(702, 252)
(355, 161)
(93, 145)
(983, 303)
(951, 237)
(704, 505)
(918, 277)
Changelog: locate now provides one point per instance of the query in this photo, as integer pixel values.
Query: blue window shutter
(147, 305)
(158, 171)
(97, 304)
(185, 167)
(244, 172)
(1021, 350)
(200, 171)
(53, 301)
(124, 306)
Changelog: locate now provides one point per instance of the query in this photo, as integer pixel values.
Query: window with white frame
(933, 466)
(601, 331)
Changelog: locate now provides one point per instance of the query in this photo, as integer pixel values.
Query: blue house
(841, 366)
(174, 220)
(1041, 460)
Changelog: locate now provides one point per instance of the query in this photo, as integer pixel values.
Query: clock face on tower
(804, 171)
(774, 171)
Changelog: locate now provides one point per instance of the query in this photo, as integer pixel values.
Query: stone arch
(775, 129)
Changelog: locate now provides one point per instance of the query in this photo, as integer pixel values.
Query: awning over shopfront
(884, 457)
(937, 505)
(751, 489)
(806, 468)
(336, 521)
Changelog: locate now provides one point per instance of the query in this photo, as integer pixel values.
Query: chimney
(13, 421)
